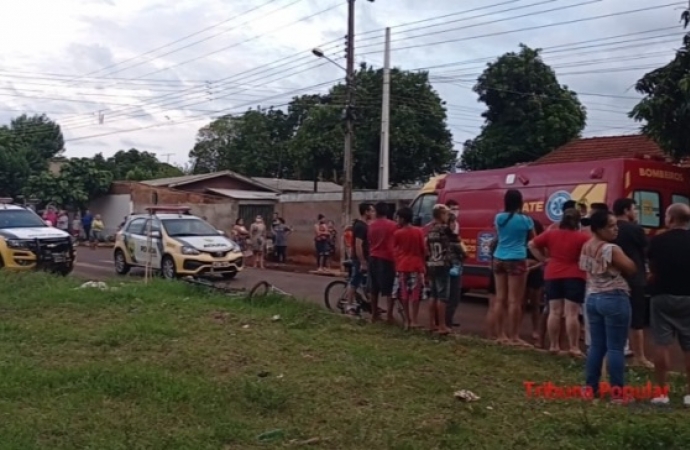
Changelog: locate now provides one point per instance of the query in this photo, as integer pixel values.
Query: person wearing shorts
(409, 249)
(565, 282)
(633, 241)
(444, 256)
(513, 230)
(381, 260)
(669, 259)
(360, 253)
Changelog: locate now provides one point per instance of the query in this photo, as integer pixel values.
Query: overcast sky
(134, 63)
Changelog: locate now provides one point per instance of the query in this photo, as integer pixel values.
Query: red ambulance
(654, 185)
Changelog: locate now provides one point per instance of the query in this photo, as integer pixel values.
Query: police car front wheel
(121, 266)
(168, 269)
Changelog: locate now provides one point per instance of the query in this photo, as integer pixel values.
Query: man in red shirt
(410, 252)
(381, 260)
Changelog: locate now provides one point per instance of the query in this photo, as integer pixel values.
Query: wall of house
(113, 209)
(301, 210)
(221, 212)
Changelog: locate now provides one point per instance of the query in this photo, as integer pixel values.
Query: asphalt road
(97, 265)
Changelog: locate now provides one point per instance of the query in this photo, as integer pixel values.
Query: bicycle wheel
(338, 288)
(260, 289)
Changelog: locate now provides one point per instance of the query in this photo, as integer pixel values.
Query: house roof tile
(607, 147)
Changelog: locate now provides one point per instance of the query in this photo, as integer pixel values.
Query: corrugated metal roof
(238, 194)
(596, 148)
(284, 185)
(189, 179)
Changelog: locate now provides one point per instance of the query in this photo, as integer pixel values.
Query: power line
(180, 40)
(549, 25)
(532, 28)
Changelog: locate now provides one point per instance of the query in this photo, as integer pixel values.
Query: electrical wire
(532, 28)
(185, 38)
(608, 15)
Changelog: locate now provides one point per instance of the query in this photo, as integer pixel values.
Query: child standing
(444, 256)
(409, 251)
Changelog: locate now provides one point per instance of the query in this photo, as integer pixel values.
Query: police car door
(134, 237)
(153, 242)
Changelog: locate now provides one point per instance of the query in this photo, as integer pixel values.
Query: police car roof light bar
(171, 209)
(6, 200)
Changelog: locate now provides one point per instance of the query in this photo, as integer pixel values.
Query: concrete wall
(221, 212)
(113, 209)
(300, 212)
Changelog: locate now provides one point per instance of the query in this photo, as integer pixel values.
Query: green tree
(316, 150)
(14, 165)
(253, 144)
(528, 114)
(307, 140)
(79, 182)
(136, 165)
(420, 141)
(666, 104)
(41, 137)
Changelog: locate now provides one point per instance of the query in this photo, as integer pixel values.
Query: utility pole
(349, 114)
(167, 157)
(384, 156)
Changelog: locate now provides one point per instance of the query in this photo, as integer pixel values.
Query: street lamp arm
(320, 54)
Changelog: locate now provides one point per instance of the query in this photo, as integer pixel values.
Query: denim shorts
(356, 275)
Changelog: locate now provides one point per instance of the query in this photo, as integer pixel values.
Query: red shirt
(564, 247)
(380, 237)
(409, 250)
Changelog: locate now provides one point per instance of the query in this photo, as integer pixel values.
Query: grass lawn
(171, 366)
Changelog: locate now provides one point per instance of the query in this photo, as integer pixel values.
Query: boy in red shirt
(410, 250)
(381, 260)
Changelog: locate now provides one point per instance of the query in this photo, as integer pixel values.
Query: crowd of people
(595, 271)
(260, 240)
(400, 260)
(85, 227)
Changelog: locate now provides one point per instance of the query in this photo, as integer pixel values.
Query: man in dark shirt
(669, 259)
(632, 240)
(360, 251)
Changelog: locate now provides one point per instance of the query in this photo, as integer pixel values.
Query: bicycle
(361, 298)
(225, 289)
(264, 288)
(260, 289)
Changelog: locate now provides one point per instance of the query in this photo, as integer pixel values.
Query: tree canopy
(665, 108)
(135, 165)
(306, 140)
(78, 182)
(28, 146)
(528, 115)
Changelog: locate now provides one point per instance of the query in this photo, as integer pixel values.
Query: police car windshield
(20, 218)
(188, 227)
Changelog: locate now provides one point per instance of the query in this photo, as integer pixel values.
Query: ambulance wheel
(121, 266)
(168, 269)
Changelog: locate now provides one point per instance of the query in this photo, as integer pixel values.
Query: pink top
(596, 260)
